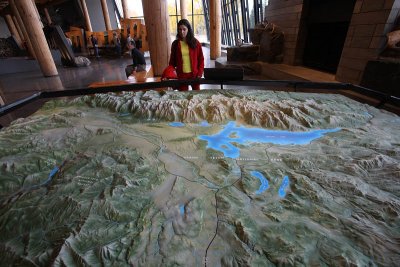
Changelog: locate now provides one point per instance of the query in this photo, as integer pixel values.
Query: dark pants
(118, 50)
(96, 51)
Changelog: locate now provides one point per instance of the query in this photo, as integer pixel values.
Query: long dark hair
(190, 40)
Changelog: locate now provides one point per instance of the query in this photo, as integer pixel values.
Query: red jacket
(196, 58)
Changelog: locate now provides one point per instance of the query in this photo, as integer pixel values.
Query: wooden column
(21, 35)
(184, 13)
(37, 13)
(124, 9)
(158, 33)
(13, 29)
(86, 15)
(28, 42)
(215, 29)
(36, 35)
(106, 15)
(48, 18)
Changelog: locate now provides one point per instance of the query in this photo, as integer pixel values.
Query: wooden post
(37, 13)
(158, 33)
(13, 29)
(106, 15)
(215, 29)
(124, 9)
(86, 15)
(28, 42)
(184, 13)
(21, 35)
(48, 18)
(36, 35)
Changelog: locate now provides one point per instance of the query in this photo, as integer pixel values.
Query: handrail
(382, 97)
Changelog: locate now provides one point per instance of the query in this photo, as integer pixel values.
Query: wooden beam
(124, 9)
(13, 29)
(106, 15)
(36, 35)
(86, 15)
(21, 24)
(158, 33)
(215, 29)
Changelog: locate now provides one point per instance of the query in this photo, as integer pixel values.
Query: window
(134, 7)
(174, 11)
(238, 16)
(196, 17)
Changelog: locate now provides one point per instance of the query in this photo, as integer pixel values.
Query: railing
(261, 84)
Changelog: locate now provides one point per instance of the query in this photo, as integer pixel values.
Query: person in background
(117, 44)
(138, 42)
(186, 55)
(69, 41)
(95, 45)
(128, 41)
(138, 60)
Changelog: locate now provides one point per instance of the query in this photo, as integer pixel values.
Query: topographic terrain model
(207, 178)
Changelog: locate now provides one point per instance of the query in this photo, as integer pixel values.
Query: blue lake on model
(264, 182)
(231, 133)
(265, 185)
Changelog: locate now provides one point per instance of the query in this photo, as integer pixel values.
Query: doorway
(326, 25)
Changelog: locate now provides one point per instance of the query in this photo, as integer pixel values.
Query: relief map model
(207, 178)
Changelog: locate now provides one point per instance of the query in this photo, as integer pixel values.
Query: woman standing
(187, 55)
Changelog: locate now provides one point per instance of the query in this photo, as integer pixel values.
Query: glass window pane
(174, 17)
(195, 16)
(189, 6)
(198, 7)
(172, 7)
(178, 6)
(135, 8)
(200, 31)
(239, 21)
(251, 13)
(119, 6)
(173, 24)
(264, 3)
(229, 24)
